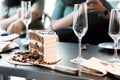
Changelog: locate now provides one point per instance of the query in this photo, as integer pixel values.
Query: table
(67, 51)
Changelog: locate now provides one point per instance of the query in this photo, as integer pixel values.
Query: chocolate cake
(43, 44)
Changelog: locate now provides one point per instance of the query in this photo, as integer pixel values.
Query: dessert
(42, 45)
(42, 48)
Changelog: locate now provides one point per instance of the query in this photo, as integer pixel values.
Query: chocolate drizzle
(28, 57)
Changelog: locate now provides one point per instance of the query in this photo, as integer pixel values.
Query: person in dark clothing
(98, 21)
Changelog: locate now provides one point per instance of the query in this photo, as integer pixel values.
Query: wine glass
(80, 27)
(114, 32)
(26, 15)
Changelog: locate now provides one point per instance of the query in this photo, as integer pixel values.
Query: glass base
(78, 60)
(114, 60)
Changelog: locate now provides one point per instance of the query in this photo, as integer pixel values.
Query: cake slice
(43, 44)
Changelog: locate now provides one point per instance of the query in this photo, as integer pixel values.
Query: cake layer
(36, 45)
(50, 55)
(35, 36)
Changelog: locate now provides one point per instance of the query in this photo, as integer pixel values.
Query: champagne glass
(26, 15)
(80, 27)
(114, 32)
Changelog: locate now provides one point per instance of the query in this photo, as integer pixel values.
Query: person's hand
(15, 27)
(95, 6)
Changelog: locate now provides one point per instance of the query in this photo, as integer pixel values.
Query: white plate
(108, 45)
(10, 60)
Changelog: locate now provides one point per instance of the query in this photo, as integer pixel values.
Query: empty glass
(114, 32)
(80, 27)
(26, 15)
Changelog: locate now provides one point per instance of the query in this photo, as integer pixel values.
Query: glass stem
(27, 31)
(115, 49)
(79, 54)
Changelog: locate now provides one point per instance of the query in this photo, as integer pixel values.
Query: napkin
(99, 67)
(3, 45)
(9, 37)
(94, 66)
(6, 44)
(12, 45)
(114, 69)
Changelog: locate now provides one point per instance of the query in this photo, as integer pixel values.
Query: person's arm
(5, 20)
(97, 6)
(103, 9)
(63, 22)
(4, 23)
(108, 7)
(60, 21)
(37, 10)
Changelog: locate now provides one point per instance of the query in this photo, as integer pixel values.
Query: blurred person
(10, 15)
(98, 21)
